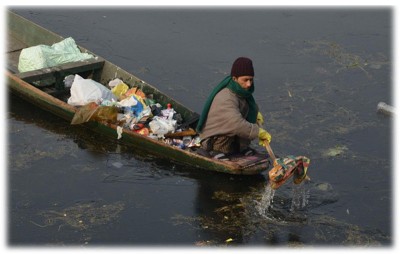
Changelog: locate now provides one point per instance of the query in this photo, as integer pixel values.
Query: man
(228, 122)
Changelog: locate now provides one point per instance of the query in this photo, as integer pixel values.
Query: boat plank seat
(60, 71)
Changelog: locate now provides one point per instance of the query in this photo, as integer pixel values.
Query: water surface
(320, 74)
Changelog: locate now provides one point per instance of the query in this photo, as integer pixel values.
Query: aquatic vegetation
(32, 153)
(222, 195)
(351, 235)
(82, 215)
(342, 58)
(335, 151)
(303, 110)
(242, 216)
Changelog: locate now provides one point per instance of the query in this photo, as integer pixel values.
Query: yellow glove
(260, 119)
(263, 135)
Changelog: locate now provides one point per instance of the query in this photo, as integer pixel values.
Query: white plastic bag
(115, 82)
(128, 102)
(84, 91)
(161, 126)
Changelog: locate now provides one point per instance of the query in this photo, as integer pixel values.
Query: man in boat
(230, 119)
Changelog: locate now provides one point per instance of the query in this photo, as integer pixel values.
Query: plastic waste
(131, 122)
(143, 131)
(131, 106)
(156, 109)
(84, 91)
(115, 82)
(385, 108)
(92, 111)
(186, 140)
(108, 102)
(195, 142)
(137, 109)
(139, 98)
(44, 56)
(178, 143)
(168, 112)
(149, 102)
(131, 112)
(68, 80)
(84, 113)
(160, 126)
(128, 102)
(106, 114)
(120, 90)
(145, 115)
(120, 117)
(136, 91)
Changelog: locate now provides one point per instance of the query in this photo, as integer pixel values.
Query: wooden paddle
(269, 150)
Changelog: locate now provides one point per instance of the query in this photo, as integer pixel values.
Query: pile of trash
(130, 109)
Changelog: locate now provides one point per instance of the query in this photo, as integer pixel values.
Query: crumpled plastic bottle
(168, 112)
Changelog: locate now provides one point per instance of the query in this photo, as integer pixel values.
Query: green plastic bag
(43, 56)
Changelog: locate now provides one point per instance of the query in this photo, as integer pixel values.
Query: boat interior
(50, 80)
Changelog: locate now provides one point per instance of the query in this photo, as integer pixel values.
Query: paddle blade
(287, 167)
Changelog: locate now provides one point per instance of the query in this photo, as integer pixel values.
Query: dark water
(320, 74)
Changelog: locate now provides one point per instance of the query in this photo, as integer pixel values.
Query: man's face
(244, 81)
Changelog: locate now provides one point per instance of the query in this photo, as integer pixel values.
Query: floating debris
(204, 243)
(117, 164)
(221, 195)
(385, 109)
(345, 60)
(244, 220)
(335, 151)
(324, 186)
(82, 215)
(32, 153)
(228, 240)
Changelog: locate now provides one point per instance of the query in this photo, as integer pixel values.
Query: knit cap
(242, 66)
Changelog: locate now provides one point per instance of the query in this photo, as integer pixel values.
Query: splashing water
(300, 197)
(267, 198)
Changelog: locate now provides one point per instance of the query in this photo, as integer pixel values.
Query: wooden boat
(23, 33)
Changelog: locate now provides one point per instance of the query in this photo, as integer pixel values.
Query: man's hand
(263, 136)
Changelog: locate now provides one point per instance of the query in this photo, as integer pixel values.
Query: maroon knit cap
(242, 66)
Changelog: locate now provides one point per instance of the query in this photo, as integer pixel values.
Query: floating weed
(222, 195)
(240, 219)
(338, 54)
(26, 156)
(311, 114)
(324, 228)
(82, 216)
(335, 151)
